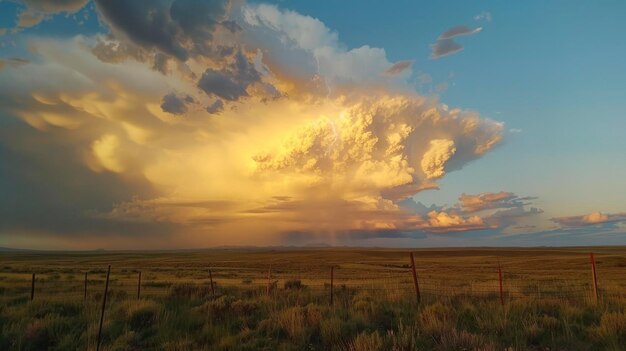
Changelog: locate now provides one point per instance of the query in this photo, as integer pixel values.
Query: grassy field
(548, 300)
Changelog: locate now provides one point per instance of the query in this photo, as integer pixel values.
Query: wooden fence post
(85, 292)
(415, 282)
(104, 303)
(211, 281)
(32, 288)
(594, 277)
(500, 279)
(332, 278)
(139, 286)
(269, 276)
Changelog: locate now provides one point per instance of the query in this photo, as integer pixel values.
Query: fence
(408, 280)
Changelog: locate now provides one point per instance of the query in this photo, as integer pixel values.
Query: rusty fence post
(594, 277)
(500, 280)
(269, 277)
(211, 281)
(415, 282)
(139, 286)
(104, 303)
(32, 288)
(332, 278)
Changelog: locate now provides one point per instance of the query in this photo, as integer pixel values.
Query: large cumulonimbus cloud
(239, 123)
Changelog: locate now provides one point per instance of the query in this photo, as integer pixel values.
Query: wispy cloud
(445, 45)
(458, 31)
(483, 16)
(399, 67)
(444, 48)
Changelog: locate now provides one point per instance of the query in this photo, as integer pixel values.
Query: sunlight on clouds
(305, 136)
(106, 150)
(435, 158)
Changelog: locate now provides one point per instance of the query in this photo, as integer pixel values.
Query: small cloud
(459, 31)
(515, 130)
(216, 107)
(483, 16)
(230, 83)
(176, 105)
(37, 10)
(589, 219)
(444, 48)
(13, 62)
(486, 201)
(399, 67)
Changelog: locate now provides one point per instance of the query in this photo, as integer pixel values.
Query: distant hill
(9, 249)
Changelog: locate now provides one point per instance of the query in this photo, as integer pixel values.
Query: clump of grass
(454, 339)
(293, 284)
(188, 291)
(367, 342)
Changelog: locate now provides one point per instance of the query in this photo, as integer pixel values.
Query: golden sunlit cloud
(275, 125)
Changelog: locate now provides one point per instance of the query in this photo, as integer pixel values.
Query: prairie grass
(374, 307)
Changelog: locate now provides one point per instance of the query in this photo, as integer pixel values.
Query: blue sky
(551, 71)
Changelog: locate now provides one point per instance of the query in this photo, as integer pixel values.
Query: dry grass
(548, 302)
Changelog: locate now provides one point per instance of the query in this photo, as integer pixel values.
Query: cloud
(215, 107)
(399, 67)
(179, 28)
(446, 46)
(411, 205)
(435, 158)
(13, 62)
(446, 222)
(232, 82)
(37, 10)
(175, 104)
(311, 137)
(303, 50)
(488, 201)
(458, 31)
(589, 219)
(483, 16)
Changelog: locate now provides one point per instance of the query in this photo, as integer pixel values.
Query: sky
(127, 124)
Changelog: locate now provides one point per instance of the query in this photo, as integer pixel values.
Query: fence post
(332, 278)
(594, 277)
(211, 281)
(32, 288)
(139, 286)
(269, 276)
(104, 303)
(415, 282)
(85, 297)
(500, 279)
